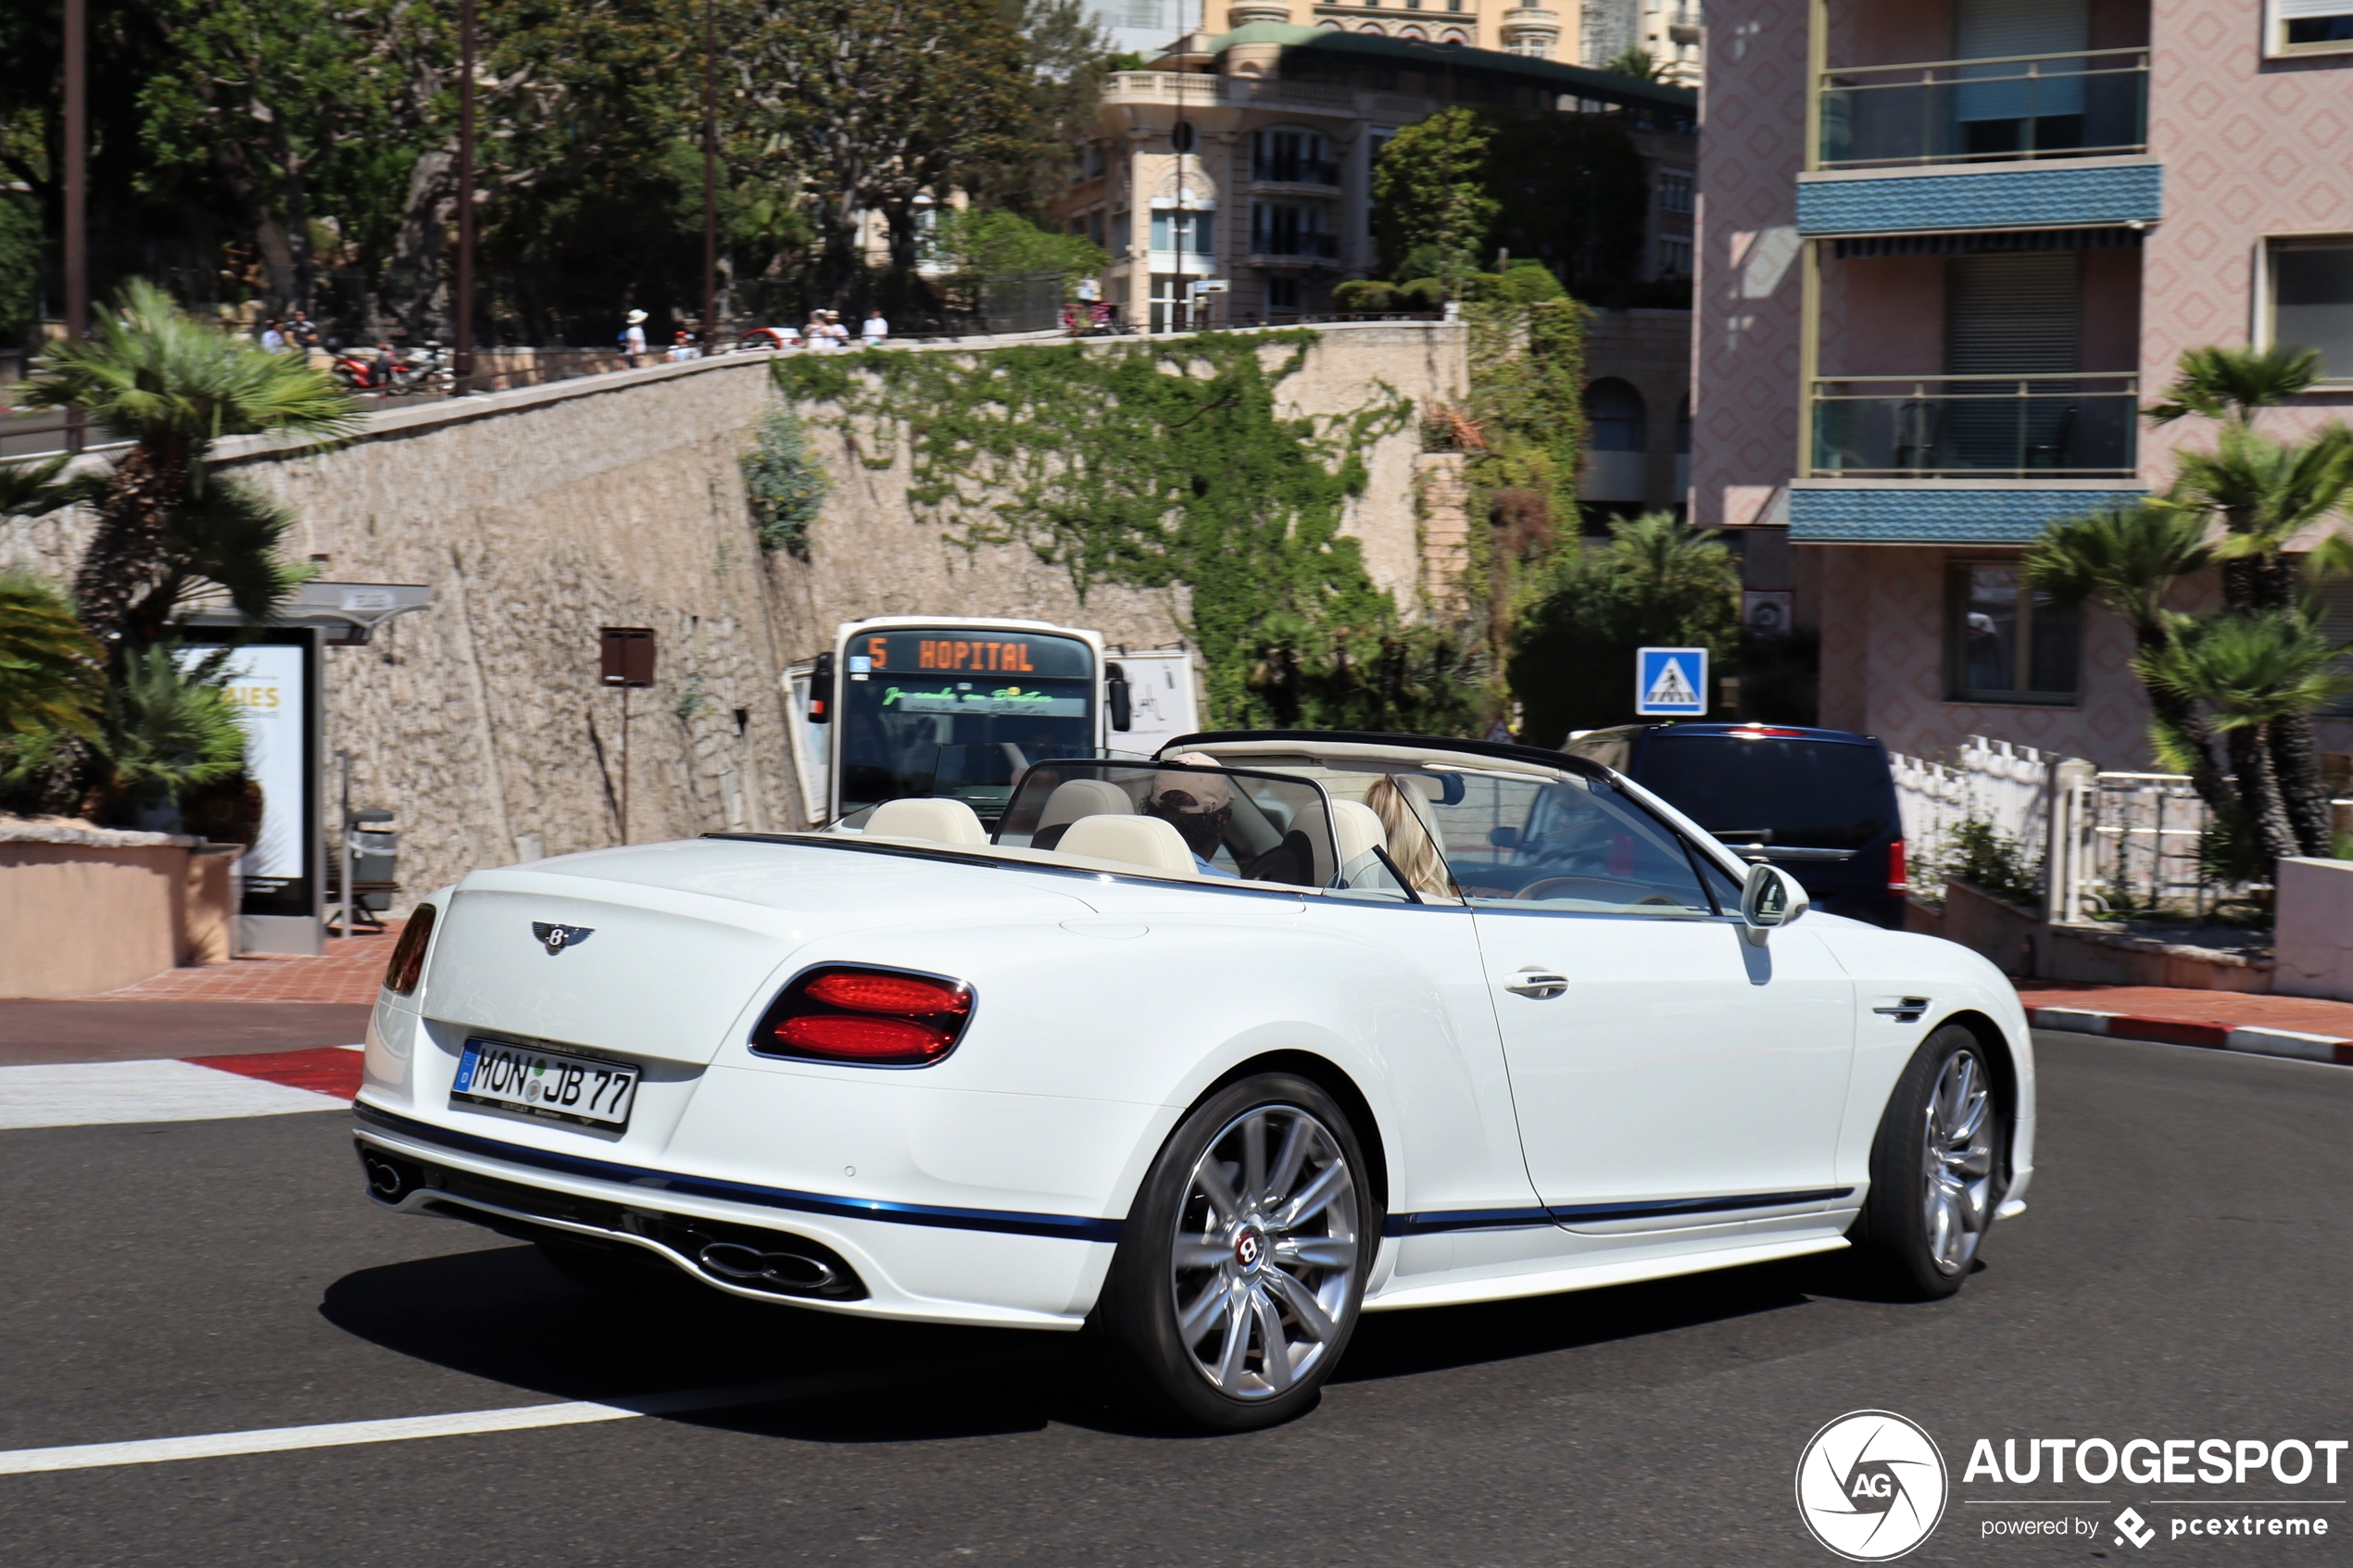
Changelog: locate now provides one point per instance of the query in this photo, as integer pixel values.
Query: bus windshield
(959, 712)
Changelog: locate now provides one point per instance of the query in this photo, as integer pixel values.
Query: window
(1615, 417)
(2297, 27)
(1572, 845)
(2006, 643)
(1675, 191)
(1286, 156)
(1674, 257)
(1289, 229)
(1282, 294)
(2311, 299)
(1186, 231)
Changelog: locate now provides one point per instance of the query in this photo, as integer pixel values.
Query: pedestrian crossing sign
(1672, 682)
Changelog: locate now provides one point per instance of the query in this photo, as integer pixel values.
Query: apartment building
(1588, 32)
(1948, 249)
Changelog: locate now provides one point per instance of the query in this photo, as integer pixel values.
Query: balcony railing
(1294, 171)
(1287, 246)
(1993, 110)
(1975, 427)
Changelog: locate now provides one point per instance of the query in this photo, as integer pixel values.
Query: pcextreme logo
(1872, 1486)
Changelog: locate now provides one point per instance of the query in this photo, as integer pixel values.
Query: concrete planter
(2024, 945)
(2315, 925)
(88, 909)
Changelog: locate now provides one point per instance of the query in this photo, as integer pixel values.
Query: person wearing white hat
(633, 340)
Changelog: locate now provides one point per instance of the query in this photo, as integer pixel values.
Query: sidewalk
(349, 973)
(2308, 1028)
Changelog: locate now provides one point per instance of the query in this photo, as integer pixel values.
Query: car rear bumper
(986, 1268)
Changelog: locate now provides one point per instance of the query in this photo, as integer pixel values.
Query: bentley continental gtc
(1200, 1057)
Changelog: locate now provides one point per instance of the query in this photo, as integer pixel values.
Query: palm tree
(51, 680)
(173, 387)
(2235, 383)
(2253, 668)
(2265, 493)
(2125, 560)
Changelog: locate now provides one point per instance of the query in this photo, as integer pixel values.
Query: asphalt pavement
(2184, 1271)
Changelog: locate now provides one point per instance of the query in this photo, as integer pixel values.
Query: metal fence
(2105, 845)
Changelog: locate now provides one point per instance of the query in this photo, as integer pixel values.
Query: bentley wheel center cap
(1251, 1248)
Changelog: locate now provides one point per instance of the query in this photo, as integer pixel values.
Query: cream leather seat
(930, 821)
(1076, 798)
(1358, 829)
(1141, 841)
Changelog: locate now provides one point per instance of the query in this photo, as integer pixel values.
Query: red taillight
(863, 1039)
(866, 991)
(876, 1017)
(1896, 880)
(408, 965)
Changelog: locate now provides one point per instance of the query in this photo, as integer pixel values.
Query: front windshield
(1238, 822)
(959, 713)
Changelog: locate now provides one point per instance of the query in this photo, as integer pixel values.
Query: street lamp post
(464, 344)
(710, 179)
(77, 172)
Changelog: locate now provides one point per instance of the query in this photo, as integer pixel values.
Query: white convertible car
(1203, 1056)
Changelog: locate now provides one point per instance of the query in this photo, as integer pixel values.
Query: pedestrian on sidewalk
(682, 349)
(633, 340)
(272, 339)
(877, 330)
(301, 331)
(814, 335)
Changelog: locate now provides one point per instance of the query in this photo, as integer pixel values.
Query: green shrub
(1525, 281)
(784, 481)
(1365, 296)
(1422, 294)
(1992, 861)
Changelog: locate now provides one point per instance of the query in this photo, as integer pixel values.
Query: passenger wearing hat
(633, 339)
(1198, 806)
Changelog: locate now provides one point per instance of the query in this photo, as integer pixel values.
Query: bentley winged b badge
(555, 939)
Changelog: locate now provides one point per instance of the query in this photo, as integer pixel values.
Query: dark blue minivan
(1820, 804)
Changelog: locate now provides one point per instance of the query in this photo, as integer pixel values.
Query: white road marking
(73, 1094)
(514, 1418)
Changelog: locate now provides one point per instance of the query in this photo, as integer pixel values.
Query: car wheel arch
(1335, 1081)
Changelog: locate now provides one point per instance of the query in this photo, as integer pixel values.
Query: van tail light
(1897, 881)
(873, 1016)
(408, 965)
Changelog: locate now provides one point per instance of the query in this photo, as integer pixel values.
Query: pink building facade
(1947, 249)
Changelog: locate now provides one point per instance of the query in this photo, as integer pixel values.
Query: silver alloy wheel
(1263, 1266)
(1956, 1162)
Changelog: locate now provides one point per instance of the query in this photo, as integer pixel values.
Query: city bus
(907, 705)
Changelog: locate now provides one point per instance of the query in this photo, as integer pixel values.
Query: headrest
(1358, 828)
(1084, 798)
(933, 820)
(1141, 841)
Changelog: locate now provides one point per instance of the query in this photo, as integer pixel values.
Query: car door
(1666, 1073)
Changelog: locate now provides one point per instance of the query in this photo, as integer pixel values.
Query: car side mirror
(1117, 695)
(1771, 898)
(1504, 838)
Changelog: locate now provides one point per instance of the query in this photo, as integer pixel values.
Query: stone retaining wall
(538, 515)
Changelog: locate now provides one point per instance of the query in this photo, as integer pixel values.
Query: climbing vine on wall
(1166, 464)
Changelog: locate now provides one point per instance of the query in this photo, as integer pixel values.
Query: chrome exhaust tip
(787, 1271)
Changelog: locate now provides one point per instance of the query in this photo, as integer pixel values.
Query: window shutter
(2011, 315)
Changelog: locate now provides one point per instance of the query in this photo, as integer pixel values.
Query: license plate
(550, 1084)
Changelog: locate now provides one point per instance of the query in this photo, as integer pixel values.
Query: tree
(1637, 62)
(2264, 493)
(2251, 669)
(870, 105)
(1068, 58)
(174, 387)
(50, 673)
(993, 243)
(2127, 560)
(1656, 582)
(1430, 188)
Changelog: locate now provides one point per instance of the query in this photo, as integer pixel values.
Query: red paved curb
(329, 1070)
(2252, 1040)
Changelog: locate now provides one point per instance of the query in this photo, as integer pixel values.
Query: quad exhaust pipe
(745, 1265)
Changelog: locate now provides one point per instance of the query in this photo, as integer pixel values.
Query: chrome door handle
(1540, 984)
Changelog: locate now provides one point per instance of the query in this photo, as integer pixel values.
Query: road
(2184, 1271)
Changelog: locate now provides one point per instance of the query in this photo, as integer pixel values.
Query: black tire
(1897, 1244)
(1177, 1241)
